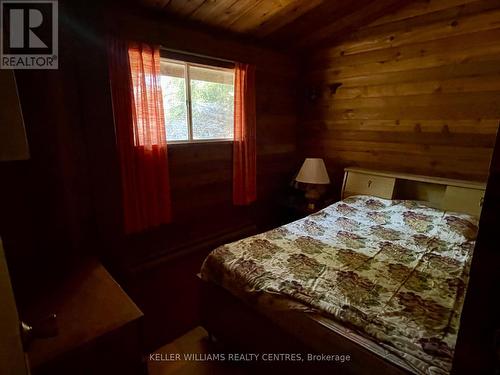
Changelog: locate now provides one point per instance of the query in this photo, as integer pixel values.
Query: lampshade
(313, 171)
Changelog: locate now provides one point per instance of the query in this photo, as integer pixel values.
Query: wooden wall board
(415, 91)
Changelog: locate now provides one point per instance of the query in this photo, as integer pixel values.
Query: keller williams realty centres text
(249, 357)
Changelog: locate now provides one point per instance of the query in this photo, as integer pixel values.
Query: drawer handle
(369, 183)
(481, 201)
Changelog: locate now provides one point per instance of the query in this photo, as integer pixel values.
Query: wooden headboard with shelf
(443, 193)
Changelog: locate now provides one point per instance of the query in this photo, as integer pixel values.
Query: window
(198, 101)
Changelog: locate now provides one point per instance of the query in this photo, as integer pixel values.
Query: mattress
(392, 274)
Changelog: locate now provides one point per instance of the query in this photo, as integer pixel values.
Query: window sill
(198, 142)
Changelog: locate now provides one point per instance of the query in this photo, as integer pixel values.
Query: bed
(381, 279)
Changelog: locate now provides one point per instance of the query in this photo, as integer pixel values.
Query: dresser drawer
(463, 200)
(365, 184)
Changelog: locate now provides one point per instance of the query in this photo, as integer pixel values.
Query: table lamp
(313, 173)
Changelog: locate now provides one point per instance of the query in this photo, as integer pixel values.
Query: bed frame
(243, 327)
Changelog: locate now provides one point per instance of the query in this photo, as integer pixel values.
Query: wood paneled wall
(200, 174)
(164, 261)
(415, 91)
(47, 217)
(65, 202)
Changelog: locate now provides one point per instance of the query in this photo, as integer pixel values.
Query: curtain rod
(197, 55)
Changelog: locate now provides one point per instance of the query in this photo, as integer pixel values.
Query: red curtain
(134, 70)
(244, 148)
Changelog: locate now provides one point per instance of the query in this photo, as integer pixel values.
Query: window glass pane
(212, 102)
(173, 86)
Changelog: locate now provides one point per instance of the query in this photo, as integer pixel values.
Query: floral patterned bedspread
(395, 271)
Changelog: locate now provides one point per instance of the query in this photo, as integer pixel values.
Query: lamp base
(312, 193)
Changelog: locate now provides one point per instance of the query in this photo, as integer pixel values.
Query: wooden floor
(194, 341)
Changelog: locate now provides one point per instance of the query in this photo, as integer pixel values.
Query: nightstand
(294, 206)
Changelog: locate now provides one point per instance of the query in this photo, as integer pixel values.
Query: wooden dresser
(442, 193)
(99, 327)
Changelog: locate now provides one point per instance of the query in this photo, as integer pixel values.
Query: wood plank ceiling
(291, 24)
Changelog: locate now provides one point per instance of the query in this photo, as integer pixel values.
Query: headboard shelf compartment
(446, 194)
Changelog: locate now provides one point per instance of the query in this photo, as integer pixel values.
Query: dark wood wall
(478, 339)
(415, 91)
(69, 120)
(65, 202)
(163, 284)
(46, 217)
(201, 174)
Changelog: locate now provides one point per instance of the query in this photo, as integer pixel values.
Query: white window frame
(189, 104)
